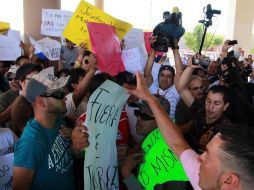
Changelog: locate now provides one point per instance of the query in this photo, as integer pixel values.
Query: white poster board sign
(135, 39)
(6, 171)
(103, 113)
(133, 60)
(50, 48)
(9, 46)
(54, 21)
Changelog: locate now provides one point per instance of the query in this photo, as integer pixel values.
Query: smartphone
(232, 42)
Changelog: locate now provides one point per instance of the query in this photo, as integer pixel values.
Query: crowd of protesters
(206, 116)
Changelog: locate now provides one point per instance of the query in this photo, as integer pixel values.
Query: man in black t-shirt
(208, 118)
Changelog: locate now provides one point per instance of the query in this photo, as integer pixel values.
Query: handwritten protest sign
(6, 171)
(4, 26)
(106, 46)
(161, 165)
(47, 47)
(133, 60)
(54, 21)
(76, 30)
(9, 46)
(103, 113)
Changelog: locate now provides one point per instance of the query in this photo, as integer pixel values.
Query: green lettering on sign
(161, 164)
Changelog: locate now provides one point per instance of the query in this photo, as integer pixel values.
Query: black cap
(26, 69)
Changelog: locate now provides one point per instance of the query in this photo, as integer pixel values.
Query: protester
(22, 110)
(166, 77)
(227, 160)
(42, 156)
(8, 97)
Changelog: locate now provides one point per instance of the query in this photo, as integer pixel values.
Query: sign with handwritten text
(6, 171)
(133, 60)
(76, 30)
(106, 46)
(50, 48)
(103, 114)
(161, 165)
(54, 21)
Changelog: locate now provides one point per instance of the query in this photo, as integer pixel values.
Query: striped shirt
(170, 94)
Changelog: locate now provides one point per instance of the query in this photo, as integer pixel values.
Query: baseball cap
(167, 67)
(26, 69)
(13, 69)
(162, 100)
(43, 83)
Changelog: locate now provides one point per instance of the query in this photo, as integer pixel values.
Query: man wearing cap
(146, 123)
(42, 156)
(22, 110)
(167, 76)
(8, 97)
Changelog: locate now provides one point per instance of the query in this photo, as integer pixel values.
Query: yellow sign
(4, 26)
(76, 30)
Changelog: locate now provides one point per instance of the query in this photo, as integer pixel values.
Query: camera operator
(167, 77)
(231, 72)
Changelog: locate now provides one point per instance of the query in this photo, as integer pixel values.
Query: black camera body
(203, 62)
(168, 31)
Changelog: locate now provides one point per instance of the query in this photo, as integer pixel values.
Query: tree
(193, 39)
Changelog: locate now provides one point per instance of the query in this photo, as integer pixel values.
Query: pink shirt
(189, 159)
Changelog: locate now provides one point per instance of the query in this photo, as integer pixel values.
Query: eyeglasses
(12, 78)
(143, 116)
(57, 95)
(197, 87)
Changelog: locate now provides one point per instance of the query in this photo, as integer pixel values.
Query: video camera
(232, 65)
(209, 12)
(168, 31)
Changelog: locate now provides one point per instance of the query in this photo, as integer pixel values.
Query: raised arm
(172, 134)
(149, 64)
(182, 85)
(81, 89)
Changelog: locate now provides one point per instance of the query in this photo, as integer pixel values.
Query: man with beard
(42, 156)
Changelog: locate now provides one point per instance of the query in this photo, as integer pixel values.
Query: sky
(143, 14)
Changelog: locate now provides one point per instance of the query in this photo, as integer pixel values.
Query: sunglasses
(143, 116)
(57, 95)
(12, 78)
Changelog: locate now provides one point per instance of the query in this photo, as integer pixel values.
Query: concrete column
(99, 4)
(32, 15)
(240, 23)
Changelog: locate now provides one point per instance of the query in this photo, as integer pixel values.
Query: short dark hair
(7, 63)
(97, 80)
(76, 73)
(167, 67)
(222, 90)
(20, 58)
(238, 145)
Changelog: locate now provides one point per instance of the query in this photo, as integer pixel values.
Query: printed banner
(9, 46)
(6, 171)
(106, 46)
(103, 114)
(133, 60)
(76, 30)
(47, 48)
(161, 165)
(54, 21)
